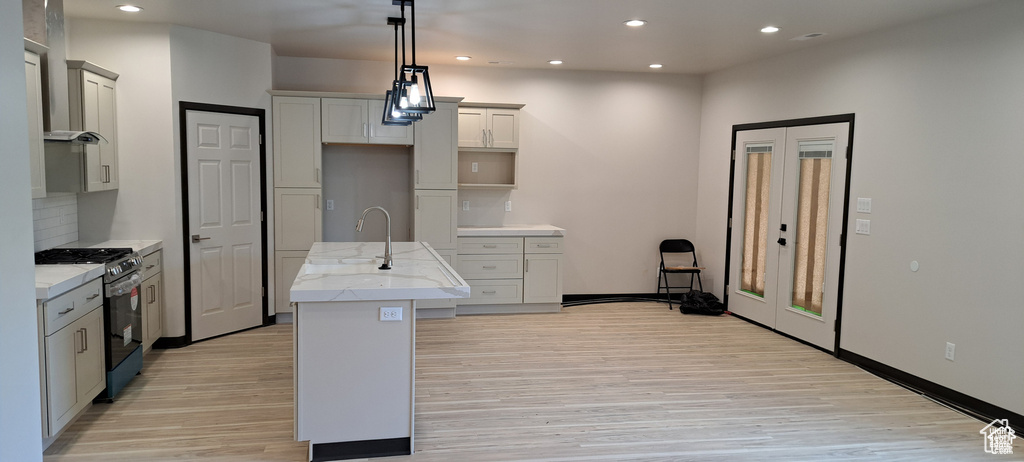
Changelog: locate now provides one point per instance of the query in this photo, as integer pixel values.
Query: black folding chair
(677, 248)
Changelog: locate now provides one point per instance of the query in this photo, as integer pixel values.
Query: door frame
(838, 118)
(183, 108)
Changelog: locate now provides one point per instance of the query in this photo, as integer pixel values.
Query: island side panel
(354, 373)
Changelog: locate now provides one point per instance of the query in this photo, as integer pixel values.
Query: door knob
(196, 238)
(782, 241)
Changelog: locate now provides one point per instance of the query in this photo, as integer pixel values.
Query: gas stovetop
(118, 261)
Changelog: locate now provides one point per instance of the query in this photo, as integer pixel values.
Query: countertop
(347, 271)
(511, 231)
(53, 280)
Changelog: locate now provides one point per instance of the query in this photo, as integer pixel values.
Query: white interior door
(787, 223)
(224, 222)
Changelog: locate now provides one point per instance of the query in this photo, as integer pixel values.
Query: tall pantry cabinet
(34, 89)
(303, 121)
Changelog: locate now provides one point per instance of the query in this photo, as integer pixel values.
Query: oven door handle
(125, 286)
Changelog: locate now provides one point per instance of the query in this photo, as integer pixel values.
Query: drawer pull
(490, 267)
(150, 267)
(85, 339)
(489, 292)
(62, 313)
(543, 246)
(490, 246)
(92, 297)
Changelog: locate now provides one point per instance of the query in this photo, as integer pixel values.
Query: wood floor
(600, 382)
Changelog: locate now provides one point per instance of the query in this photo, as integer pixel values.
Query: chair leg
(668, 293)
(699, 283)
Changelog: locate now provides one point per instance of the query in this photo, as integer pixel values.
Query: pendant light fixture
(411, 93)
(392, 114)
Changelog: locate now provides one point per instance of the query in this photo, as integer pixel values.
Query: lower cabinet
(152, 299)
(74, 368)
(510, 271)
(287, 264)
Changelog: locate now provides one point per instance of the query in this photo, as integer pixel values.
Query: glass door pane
(812, 225)
(755, 222)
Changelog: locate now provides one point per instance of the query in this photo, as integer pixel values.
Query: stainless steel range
(122, 313)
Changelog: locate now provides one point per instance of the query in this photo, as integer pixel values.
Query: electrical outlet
(508, 206)
(475, 167)
(950, 351)
(465, 206)
(330, 204)
(390, 313)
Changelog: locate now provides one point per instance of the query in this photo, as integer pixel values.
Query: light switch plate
(330, 204)
(863, 227)
(863, 205)
(465, 205)
(390, 313)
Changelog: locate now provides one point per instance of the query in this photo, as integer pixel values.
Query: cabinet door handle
(527, 268)
(491, 134)
(490, 267)
(364, 130)
(85, 339)
(417, 176)
(106, 174)
(484, 133)
(63, 312)
(318, 202)
(490, 246)
(489, 292)
(92, 297)
(152, 293)
(317, 170)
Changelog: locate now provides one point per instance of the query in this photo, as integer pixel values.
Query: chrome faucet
(387, 243)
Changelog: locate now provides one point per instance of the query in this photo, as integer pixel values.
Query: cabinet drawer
(71, 305)
(490, 245)
(493, 291)
(152, 264)
(544, 244)
(490, 266)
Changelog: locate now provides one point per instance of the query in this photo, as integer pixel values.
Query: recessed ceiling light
(770, 29)
(555, 61)
(129, 8)
(635, 22)
(463, 58)
(655, 66)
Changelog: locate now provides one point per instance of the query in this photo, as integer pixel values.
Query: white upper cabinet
(297, 148)
(358, 121)
(34, 88)
(92, 94)
(488, 127)
(435, 155)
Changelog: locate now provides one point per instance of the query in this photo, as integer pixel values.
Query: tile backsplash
(55, 220)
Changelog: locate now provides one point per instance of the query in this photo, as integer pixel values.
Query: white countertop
(510, 231)
(348, 271)
(53, 280)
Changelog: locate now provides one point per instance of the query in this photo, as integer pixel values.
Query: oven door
(123, 316)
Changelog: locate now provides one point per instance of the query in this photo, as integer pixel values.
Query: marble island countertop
(348, 271)
(53, 280)
(510, 231)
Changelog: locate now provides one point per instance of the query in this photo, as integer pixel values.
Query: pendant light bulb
(414, 91)
(404, 102)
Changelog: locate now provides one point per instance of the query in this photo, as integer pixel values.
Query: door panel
(787, 222)
(224, 207)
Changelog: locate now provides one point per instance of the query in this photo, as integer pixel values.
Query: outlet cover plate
(390, 313)
(950, 351)
(508, 206)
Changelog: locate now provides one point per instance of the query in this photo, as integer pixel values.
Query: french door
(787, 217)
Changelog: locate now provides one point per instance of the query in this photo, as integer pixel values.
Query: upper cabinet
(34, 88)
(435, 154)
(92, 94)
(358, 121)
(297, 148)
(482, 126)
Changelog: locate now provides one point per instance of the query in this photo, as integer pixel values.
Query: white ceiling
(687, 36)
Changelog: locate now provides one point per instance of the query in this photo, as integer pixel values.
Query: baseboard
(361, 449)
(981, 410)
(164, 343)
(515, 308)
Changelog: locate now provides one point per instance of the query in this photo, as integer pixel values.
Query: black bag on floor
(697, 302)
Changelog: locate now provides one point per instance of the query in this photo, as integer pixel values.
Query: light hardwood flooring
(626, 381)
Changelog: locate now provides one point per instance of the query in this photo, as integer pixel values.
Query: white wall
(609, 156)
(939, 111)
(19, 387)
(160, 65)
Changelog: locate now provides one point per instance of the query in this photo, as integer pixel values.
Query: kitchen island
(355, 342)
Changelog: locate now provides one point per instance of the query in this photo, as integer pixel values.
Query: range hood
(73, 137)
